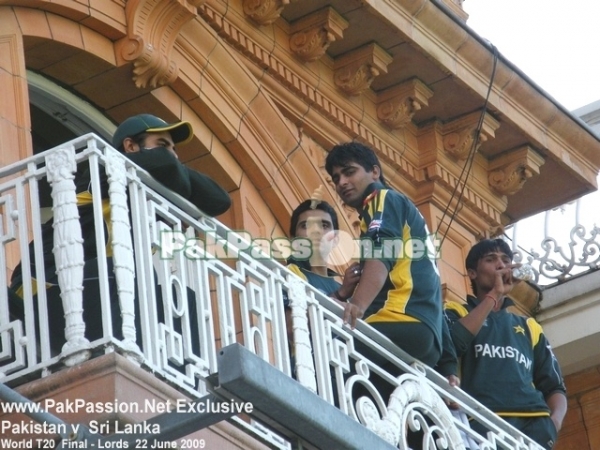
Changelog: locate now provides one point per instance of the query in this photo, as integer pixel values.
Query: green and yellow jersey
(394, 232)
(509, 365)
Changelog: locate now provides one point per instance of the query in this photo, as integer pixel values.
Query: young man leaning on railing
(149, 142)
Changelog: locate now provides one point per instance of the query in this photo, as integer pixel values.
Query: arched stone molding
(58, 36)
(15, 143)
(152, 27)
(249, 124)
(268, 147)
(15, 125)
(250, 127)
(62, 48)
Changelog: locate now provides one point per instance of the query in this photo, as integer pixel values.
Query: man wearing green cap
(149, 142)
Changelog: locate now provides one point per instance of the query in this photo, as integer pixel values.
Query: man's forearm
(372, 279)
(207, 195)
(475, 319)
(557, 402)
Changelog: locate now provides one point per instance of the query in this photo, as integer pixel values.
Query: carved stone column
(512, 169)
(312, 34)
(397, 105)
(68, 251)
(356, 70)
(152, 27)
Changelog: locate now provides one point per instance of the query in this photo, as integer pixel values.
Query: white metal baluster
(305, 367)
(122, 247)
(68, 251)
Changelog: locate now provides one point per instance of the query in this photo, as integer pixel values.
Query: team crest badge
(375, 225)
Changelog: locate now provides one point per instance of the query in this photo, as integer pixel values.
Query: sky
(556, 43)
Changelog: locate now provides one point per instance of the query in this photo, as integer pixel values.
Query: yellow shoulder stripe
(535, 329)
(457, 307)
(294, 268)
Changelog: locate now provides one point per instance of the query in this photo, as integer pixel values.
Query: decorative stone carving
(397, 105)
(356, 70)
(152, 27)
(68, 251)
(511, 170)
(460, 134)
(312, 35)
(264, 12)
(460, 143)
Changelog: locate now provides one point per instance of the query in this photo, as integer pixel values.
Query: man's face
(317, 226)
(351, 181)
(487, 267)
(153, 140)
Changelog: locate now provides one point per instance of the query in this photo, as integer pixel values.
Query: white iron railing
(179, 306)
(559, 243)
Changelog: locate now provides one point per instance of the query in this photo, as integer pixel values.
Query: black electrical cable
(466, 170)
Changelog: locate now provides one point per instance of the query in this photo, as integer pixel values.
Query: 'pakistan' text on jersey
(509, 365)
(394, 232)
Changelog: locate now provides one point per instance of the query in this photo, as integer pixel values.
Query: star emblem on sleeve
(519, 329)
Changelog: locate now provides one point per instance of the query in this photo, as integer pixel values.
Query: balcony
(194, 310)
(562, 246)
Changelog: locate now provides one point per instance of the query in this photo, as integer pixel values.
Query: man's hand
(454, 381)
(352, 313)
(503, 284)
(372, 279)
(351, 279)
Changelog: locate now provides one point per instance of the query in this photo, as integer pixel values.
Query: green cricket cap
(181, 132)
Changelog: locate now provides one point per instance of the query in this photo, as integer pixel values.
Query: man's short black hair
(306, 206)
(481, 249)
(353, 152)
(484, 247)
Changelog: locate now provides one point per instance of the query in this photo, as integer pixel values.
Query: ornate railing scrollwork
(570, 245)
(413, 405)
(560, 261)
